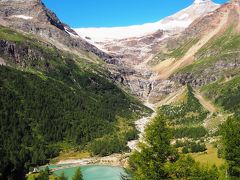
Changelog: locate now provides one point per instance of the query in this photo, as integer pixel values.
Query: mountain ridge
(59, 92)
(133, 53)
(179, 19)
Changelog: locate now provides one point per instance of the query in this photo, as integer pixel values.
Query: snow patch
(176, 24)
(183, 16)
(71, 34)
(22, 17)
(201, 1)
(108, 34)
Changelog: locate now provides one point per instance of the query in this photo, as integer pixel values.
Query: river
(141, 124)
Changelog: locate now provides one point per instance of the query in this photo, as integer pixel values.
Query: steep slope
(32, 16)
(137, 43)
(206, 51)
(169, 66)
(50, 98)
(218, 57)
(134, 46)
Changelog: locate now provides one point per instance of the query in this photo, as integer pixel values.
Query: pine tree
(231, 141)
(43, 175)
(62, 177)
(78, 175)
(149, 163)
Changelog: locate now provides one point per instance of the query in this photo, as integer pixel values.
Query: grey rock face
(21, 55)
(33, 17)
(225, 67)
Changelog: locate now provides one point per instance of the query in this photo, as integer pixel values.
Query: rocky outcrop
(226, 67)
(23, 55)
(221, 61)
(2, 62)
(141, 42)
(134, 49)
(33, 17)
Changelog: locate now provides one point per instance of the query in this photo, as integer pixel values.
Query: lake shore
(115, 159)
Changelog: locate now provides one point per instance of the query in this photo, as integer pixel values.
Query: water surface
(96, 172)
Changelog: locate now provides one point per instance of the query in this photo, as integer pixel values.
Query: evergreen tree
(159, 160)
(62, 177)
(43, 175)
(231, 145)
(186, 168)
(149, 163)
(78, 175)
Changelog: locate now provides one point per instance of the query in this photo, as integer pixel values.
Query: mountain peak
(201, 1)
(235, 1)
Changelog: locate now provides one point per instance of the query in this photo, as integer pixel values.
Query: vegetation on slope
(215, 58)
(50, 97)
(115, 142)
(159, 160)
(189, 112)
(231, 146)
(225, 94)
(176, 53)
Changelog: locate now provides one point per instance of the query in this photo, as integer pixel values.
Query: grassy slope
(178, 112)
(225, 94)
(176, 53)
(209, 157)
(221, 48)
(187, 112)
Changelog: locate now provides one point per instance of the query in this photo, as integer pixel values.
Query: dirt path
(173, 97)
(211, 122)
(168, 67)
(208, 105)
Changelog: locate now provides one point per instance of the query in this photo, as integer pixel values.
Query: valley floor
(75, 159)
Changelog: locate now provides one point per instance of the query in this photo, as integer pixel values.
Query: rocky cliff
(33, 17)
(150, 66)
(134, 46)
(206, 52)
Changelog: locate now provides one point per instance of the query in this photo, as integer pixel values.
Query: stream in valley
(105, 168)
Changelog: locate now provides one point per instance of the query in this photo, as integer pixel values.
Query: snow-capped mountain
(176, 22)
(134, 44)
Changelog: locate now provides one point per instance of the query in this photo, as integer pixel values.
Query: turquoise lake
(97, 172)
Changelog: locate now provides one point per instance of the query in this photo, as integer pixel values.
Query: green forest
(52, 99)
(49, 97)
(158, 159)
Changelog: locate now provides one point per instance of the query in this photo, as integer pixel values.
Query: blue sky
(110, 13)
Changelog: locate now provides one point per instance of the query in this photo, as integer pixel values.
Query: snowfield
(178, 21)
